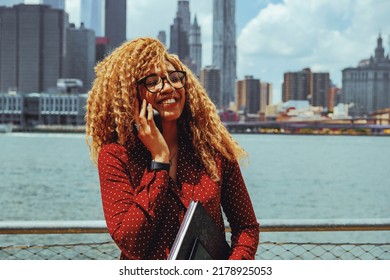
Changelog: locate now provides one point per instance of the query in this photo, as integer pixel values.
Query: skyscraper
(180, 30)
(307, 85)
(252, 98)
(91, 14)
(32, 47)
(297, 85)
(321, 89)
(210, 79)
(185, 39)
(183, 12)
(224, 47)
(265, 96)
(162, 37)
(115, 22)
(366, 88)
(81, 55)
(248, 95)
(195, 44)
(55, 4)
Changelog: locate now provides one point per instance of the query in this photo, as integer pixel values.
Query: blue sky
(276, 36)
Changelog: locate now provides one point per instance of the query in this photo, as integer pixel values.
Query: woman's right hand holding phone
(148, 132)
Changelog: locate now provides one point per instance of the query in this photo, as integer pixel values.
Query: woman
(151, 167)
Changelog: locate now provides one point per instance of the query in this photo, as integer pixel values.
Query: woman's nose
(166, 86)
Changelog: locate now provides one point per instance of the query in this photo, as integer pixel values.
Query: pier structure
(348, 127)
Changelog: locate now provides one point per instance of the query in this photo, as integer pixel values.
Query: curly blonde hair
(109, 115)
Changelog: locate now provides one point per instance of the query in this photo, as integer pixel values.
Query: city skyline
(275, 36)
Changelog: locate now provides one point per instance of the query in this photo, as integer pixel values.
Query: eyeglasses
(154, 83)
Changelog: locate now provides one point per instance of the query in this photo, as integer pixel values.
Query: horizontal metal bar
(324, 225)
(52, 227)
(310, 225)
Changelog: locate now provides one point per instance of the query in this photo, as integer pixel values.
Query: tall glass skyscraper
(224, 48)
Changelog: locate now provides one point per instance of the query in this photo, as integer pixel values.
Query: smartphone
(156, 115)
(157, 119)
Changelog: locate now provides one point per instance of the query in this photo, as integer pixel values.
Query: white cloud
(321, 34)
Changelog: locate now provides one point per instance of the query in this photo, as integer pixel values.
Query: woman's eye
(151, 82)
(174, 78)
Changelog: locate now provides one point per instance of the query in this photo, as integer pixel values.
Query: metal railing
(105, 248)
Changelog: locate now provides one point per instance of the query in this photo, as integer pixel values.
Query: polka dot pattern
(144, 209)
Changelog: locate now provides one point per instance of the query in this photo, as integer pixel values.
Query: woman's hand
(148, 132)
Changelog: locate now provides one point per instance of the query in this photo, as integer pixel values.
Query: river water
(50, 177)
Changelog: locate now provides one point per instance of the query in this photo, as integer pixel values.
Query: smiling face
(169, 102)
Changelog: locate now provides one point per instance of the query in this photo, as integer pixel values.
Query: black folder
(198, 237)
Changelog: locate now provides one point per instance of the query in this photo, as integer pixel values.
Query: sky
(275, 36)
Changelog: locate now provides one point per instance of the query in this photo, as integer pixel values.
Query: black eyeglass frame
(143, 80)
